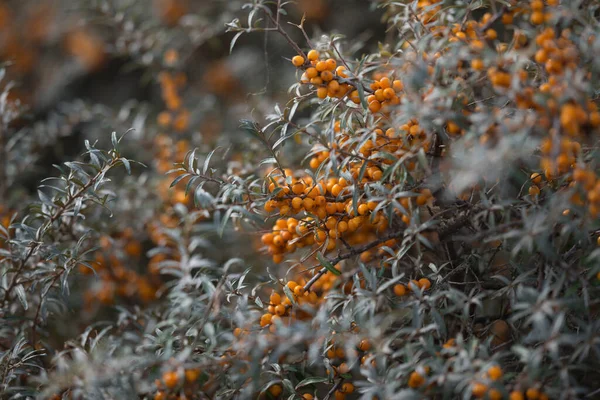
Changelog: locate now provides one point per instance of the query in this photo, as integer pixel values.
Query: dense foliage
(416, 217)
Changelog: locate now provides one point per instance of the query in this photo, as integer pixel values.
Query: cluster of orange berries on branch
(385, 93)
(281, 308)
(324, 212)
(493, 375)
(588, 182)
(558, 160)
(171, 83)
(325, 75)
(556, 53)
(115, 278)
(402, 290)
(173, 382)
(539, 11)
(530, 394)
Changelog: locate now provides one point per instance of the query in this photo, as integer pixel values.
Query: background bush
(311, 199)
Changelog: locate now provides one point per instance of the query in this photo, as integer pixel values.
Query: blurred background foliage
(117, 263)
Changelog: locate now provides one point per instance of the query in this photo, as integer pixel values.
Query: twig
(334, 388)
(282, 32)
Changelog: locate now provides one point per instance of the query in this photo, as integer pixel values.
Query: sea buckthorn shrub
(415, 217)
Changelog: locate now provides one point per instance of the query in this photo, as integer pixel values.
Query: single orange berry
(331, 64)
(532, 394)
(313, 55)
(374, 106)
(298, 61)
(321, 66)
(171, 379)
(478, 390)
(322, 92)
(275, 390)
(494, 394)
(534, 191)
(424, 283)
(415, 380)
(275, 298)
(515, 395)
(347, 388)
(191, 375)
(495, 373)
(343, 368)
(364, 345)
(399, 290)
(536, 178)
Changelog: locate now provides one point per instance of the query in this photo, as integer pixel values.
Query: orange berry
(322, 92)
(347, 388)
(374, 106)
(424, 283)
(341, 71)
(397, 85)
(364, 345)
(399, 290)
(514, 395)
(170, 379)
(491, 34)
(537, 18)
(536, 178)
(495, 373)
(331, 64)
(337, 395)
(296, 203)
(415, 380)
(313, 55)
(311, 72)
(477, 64)
(478, 390)
(298, 188)
(327, 76)
(343, 368)
(275, 390)
(275, 298)
(494, 394)
(191, 375)
(363, 209)
(532, 394)
(280, 310)
(307, 396)
(308, 203)
(534, 191)
(336, 189)
(298, 61)
(265, 319)
(321, 66)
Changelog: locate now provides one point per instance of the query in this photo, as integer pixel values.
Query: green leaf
(114, 141)
(207, 161)
(289, 294)
(235, 38)
(127, 165)
(20, 290)
(324, 262)
(311, 381)
(361, 96)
